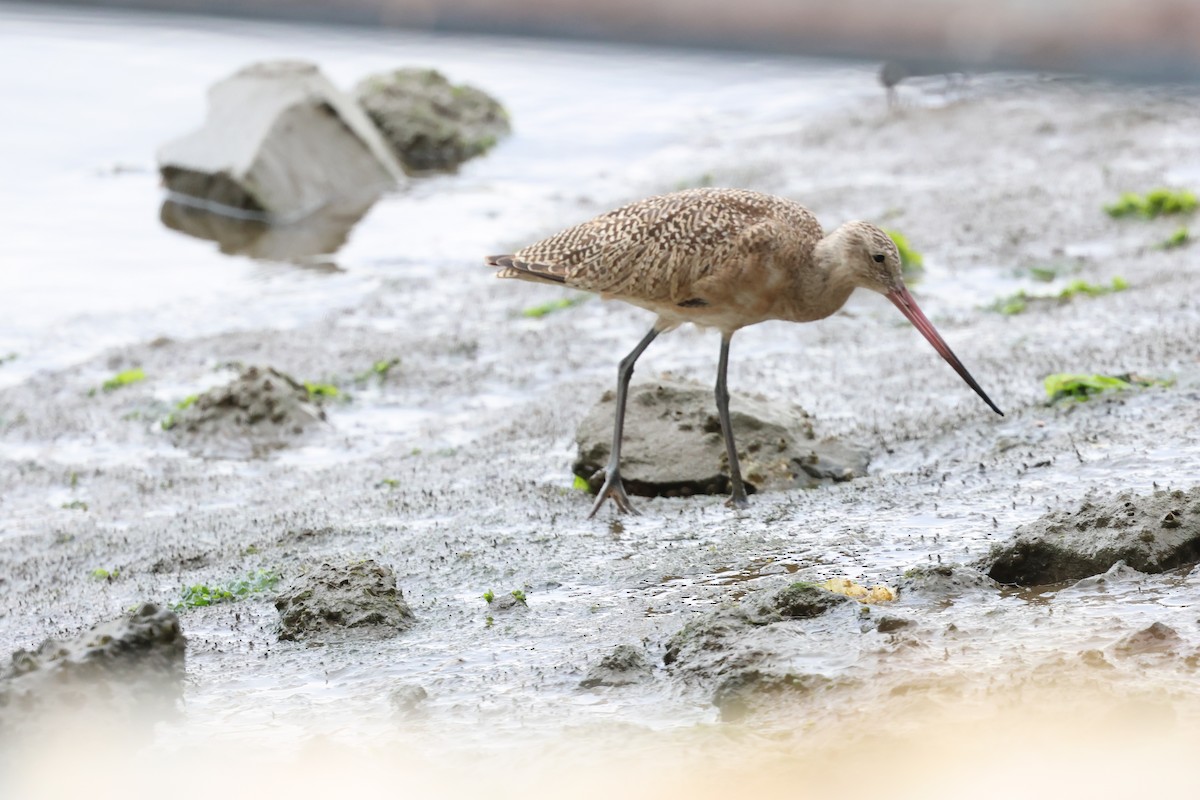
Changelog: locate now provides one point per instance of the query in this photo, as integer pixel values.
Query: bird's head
(865, 256)
(868, 257)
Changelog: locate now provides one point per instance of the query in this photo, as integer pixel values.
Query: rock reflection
(321, 233)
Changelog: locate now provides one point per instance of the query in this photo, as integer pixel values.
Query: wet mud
(359, 597)
(259, 411)
(452, 468)
(1149, 534)
(131, 668)
(623, 666)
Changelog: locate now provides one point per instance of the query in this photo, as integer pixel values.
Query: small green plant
(5, 359)
(1019, 302)
(1014, 303)
(912, 263)
(199, 595)
(1044, 274)
(488, 596)
(1078, 287)
(488, 622)
(102, 574)
(122, 379)
(581, 484)
(1078, 387)
(519, 596)
(169, 421)
(379, 369)
(538, 311)
(1154, 203)
(1179, 238)
(321, 391)
(75, 505)
(389, 483)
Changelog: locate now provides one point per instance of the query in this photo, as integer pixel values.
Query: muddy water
(455, 469)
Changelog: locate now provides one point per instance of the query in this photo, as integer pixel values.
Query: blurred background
(96, 87)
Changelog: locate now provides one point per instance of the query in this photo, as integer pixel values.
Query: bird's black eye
(878, 258)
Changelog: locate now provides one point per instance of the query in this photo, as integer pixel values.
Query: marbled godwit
(723, 258)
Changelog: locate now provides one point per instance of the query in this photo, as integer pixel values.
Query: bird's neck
(825, 287)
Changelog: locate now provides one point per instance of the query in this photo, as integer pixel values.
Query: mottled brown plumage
(724, 258)
(691, 256)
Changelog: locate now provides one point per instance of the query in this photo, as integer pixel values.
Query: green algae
(200, 595)
(912, 263)
(1080, 387)
(539, 311)
(123, 379)
(1155, 203)
(1180, 238)
(1019, 302)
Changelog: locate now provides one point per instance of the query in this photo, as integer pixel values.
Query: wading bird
(722, 258)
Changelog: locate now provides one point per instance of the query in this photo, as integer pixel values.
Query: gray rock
(278, 143)
(361, 597)
(259, 411)
(1150, 534)
(430, 123)
(625, 665)
(130, 667)
(673, 446)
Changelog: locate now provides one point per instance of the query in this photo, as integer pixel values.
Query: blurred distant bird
(724, 258)
(892, 72)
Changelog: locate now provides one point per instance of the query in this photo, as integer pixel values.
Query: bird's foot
(738, 498)
(614, 488)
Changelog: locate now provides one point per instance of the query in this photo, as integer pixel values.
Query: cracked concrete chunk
(279, 142)
(673, 446)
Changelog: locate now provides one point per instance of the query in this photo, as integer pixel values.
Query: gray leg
(737, 498)
(612, 473)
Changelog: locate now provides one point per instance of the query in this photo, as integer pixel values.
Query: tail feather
(513, 267)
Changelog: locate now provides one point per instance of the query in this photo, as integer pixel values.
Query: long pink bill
(909, 308)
